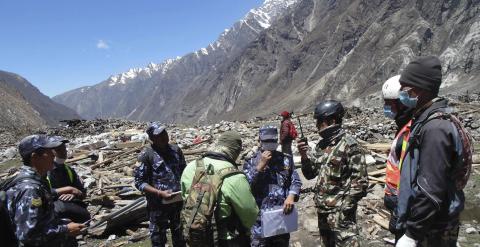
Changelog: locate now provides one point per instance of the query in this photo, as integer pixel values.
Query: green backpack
(199, 207)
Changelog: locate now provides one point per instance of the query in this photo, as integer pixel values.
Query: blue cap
(32, 143)
(58, 139)
(268, 132)
(155, 129)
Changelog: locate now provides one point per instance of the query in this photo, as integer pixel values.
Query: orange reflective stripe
(405, 129)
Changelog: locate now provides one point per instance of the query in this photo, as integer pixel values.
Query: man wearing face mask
(68, 186)
(395, 110)
(432, 170)
(274, 183)
(339, 162)
(158, 176)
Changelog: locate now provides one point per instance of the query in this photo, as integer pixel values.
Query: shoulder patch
(37, 202)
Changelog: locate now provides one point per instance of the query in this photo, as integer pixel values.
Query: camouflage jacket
(160, 171)
(30, 206)
(342, 174)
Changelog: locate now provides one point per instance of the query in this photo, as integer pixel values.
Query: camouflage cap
(32, 143)
(155, 129)
(268, 132)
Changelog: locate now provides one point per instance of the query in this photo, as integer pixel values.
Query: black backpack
(7, 231)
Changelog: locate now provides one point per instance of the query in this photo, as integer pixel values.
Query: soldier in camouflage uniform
(339, 163)
(158, 175)
(30, 200)
(274, 182)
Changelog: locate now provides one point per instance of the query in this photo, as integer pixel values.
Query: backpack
(463, 168)
(201, 203)
(7, 231)
(292, 132)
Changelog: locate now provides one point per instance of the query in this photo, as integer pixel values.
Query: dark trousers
(447, 238)
(75, 211)
(168, 216)
(275, 241)
(339, 228)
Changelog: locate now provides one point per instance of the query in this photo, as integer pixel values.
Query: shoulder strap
(228, 171)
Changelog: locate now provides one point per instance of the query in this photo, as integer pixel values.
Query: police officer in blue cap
(30, 200)
(274, 183)
(158, 176)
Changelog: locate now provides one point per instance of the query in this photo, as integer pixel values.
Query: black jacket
(429, 209)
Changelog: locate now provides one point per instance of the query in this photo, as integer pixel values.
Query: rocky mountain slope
(144, 93)
(17, 114)
(313, 50)
(23, 106)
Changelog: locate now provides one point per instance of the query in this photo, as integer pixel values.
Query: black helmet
(328, 108)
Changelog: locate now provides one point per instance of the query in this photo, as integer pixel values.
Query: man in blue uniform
(274, 182)
(30, 200)
(158, 176)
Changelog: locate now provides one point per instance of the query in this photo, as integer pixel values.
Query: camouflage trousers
(447, 238)
(275, 241)
(339, 228)
(168, 216)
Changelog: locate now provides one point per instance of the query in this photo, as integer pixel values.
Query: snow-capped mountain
(286, 55)
(229, 43)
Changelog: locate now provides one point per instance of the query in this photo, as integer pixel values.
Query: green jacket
(235, 197)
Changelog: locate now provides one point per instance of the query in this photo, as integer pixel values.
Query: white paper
(275, 222)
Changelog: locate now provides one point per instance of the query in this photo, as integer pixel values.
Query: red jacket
(285, 131)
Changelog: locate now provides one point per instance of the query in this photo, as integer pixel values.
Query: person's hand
(303, 149)
(266, 156)
(74, 229)
(164, 194)
(406, 241)
(69, 190)
(66, 197)
(288, 204)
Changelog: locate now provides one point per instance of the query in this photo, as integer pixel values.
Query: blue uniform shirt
(161, 171)
(30, 207)
(272, 186)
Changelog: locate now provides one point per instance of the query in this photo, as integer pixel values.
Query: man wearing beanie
(237, 210)
(430, 198)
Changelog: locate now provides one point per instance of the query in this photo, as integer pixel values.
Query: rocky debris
(104, 153)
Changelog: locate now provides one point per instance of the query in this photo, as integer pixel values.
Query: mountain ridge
(314, 50)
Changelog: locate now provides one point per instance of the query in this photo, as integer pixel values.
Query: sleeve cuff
(412, 235)
(63, 228)
(142, 186)
(292, 192)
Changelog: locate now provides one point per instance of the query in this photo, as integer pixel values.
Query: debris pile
(104, 154)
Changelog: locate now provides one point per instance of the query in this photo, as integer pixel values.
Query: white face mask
(59, 161)
(269, 146)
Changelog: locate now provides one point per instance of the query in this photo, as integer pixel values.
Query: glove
(406, 241)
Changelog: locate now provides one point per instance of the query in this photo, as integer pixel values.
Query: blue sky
(61, 45)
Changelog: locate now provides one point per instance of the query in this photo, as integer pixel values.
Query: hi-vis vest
(69, 173)
(394, 161)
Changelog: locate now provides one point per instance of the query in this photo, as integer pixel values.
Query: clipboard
(176, 197)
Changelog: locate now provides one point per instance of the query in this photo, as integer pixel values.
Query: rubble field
(104, 154)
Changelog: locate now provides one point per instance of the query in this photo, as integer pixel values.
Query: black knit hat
(424, 73)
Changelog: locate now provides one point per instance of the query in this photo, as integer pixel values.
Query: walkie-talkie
(302, 136)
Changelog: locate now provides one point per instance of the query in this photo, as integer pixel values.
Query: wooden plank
(376, 179)
(377, 172)
(380, 221)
